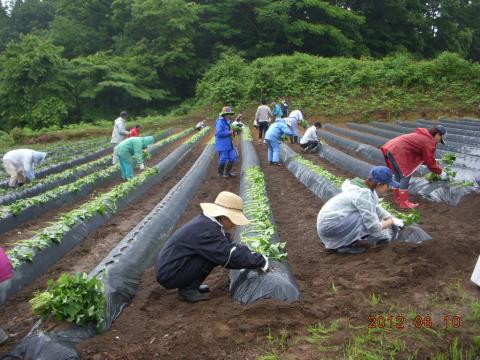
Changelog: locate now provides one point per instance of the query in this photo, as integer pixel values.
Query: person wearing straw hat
(405, 153)
(203, 243)
(227, 153)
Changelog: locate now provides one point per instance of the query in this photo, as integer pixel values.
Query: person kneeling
(203, 243)
(309, 141)
(355, 214)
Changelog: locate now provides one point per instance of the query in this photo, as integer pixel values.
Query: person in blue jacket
(224, 144)
(274, 138)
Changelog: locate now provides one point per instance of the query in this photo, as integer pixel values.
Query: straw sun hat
(226, 204)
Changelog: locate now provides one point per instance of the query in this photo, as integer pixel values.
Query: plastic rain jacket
(25, 160)
(277, 130)
(131, 148)
(412, 150)
(223, 135)
(119, 132)
(355, 199)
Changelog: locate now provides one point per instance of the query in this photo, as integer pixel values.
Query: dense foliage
(62, 61)
(343, 85)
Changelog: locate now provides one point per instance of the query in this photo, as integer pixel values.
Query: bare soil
(15, 315)
(158, 326)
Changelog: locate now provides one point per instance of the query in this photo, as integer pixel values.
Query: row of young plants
(24, 249)
(449, 160)
(258, 233)
(18, 206)
(410, 217)
(90, 166)
(99, 297)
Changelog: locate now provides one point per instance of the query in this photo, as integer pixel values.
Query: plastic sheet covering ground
(470, 137)
(121, 270)
(325, 189)
(450, 146)
(249, 286)
(438, 191)
(460, 125)
(378, 136)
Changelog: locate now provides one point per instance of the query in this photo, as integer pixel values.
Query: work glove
(265, 267)
(398, 222)
(142, 166)
(444, 175)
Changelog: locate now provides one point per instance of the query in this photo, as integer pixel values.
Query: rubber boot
(404, 200)
(396, 196)
(221, 170)
(228, 169)
(350, 250)
(204, 288)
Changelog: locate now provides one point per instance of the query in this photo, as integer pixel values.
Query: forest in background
(62, 62)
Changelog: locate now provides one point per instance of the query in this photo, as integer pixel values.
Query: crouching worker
(203, 243)
(309, 141)
(20, 165)
(355, 214)
(130, 151)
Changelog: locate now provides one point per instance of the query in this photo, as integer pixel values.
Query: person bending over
(20, 165)
(355, 214)
(309, 141)
(203, 243)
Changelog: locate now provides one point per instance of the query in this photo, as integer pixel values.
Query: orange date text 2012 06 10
(400, 321)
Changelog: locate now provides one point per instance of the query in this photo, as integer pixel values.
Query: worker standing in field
(262, 119)
(227, 154)
(295, 117)
(405, 153)
(119, 134)
(130, 152)
(20, 165)
(309, 141)
(355, 214)
(277, 111)
(135, 132)
(203, 243)
(274, 138)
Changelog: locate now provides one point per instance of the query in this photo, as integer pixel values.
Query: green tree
(32, 84)
(83, 27)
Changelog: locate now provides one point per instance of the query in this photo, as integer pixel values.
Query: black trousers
(194, 272)
(262, 129)
(310, 145)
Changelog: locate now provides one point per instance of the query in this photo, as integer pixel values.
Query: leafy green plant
(73, 298)
(374, 299)
(304, 124)
(198, 135)
(449, 159)
(246, 134)
(259, 232)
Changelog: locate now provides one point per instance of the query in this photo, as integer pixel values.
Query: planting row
(30, 258)
(248, 286)
(23, 210)
(118, 274)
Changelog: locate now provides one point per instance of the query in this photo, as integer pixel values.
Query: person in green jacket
(131, 151)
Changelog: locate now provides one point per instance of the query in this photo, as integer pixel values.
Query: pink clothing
(6, 271)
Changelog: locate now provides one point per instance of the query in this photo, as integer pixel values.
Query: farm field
(409, 299)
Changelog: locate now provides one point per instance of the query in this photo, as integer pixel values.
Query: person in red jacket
(405, 153)
(135, 132)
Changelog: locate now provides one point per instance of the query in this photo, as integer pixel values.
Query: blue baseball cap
(443, 131)
(383, 175)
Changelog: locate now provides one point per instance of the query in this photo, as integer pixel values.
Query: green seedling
(449, 159)
(73, 298)
(374, 299)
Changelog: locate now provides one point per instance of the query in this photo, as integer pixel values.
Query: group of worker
(344, 223)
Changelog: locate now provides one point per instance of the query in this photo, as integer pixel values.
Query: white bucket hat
(226, 204)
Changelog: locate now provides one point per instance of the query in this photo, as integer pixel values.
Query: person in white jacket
(355, 214)
(20, 165)
(119, 134)
(309, 140)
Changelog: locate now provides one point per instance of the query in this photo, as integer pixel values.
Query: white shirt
(310, 135)
(296, 114)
